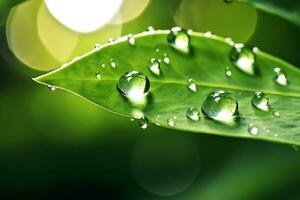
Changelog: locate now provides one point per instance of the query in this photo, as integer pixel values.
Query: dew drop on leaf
(131, 39)
(112, 63)
(280, 77)
(166, 59)
(260, 101)
(154, 67)
(171, 122)
(193, 114)
(192, 86)
(109, 40)
(134, 85)
(103, 65)
(208, 34)
(252, 129)
(243, 58)
(276, 113)
(229, 41)
(150, 29)
(179, 39)
(97, 46)
(50, 87)
(221, 106)
(98, 76)
(143, 123)
(228, 71)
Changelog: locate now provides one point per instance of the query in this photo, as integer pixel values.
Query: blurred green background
(55, 145)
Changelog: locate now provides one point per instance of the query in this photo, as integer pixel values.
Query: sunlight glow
(84, 15)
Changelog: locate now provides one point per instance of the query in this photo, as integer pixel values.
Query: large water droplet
(221, 106)
(143, 123)
(134, 85)
(171, 122)
(154, 67)
(193, 114)
(260, 101)
(252, 129)
(179, 39)
(280, 77)
(243, 58)
(131, 39)
(192, 86)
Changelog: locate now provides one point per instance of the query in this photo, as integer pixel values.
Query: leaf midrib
(198, 84)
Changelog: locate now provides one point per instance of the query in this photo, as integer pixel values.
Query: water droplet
(229, 41)
(131, 119)
(208, 34)
(113, 64)
(131, 39)
(260, 101)
(276, 113)
(103, 65)
(179, 39)
(228, 71)
(221, 106)
(192, 86)
(143, 123)
(171, 122)
(110, 40)
(193, 114)
(154, 67)
(243, 58)
(189, 31)
(150, 29)
(255, 49)
(157, 50)
(97, 46)
(52, 88)
(134, 85)
(166, 59)
(280, 77)
(252, 129)
(98, 76)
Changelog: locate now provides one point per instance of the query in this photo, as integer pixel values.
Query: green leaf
(287, 9)
(169, 95)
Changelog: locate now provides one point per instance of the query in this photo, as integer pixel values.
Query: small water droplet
(166, 59)
(276, 113)
(103, 65)
(255, 49)
(52, 88)
(143, 123)
(97, 46)
(109, 40)
(131, 119)
(179, 39)
(280, 77)
(150, 29)
(131, 39)
(134, 85)
(192, 86)
(221, 106)
(229, 41)
(260, 101)
(252, 129)
(189, 31)
(243, 58)
(157, 50)
(154, 67)
(171, 122)
(208, 34)
(193, 114)
(113, 64)
(98, 76)
(228, 71)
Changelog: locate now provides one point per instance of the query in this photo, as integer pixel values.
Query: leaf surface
(169, 96)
